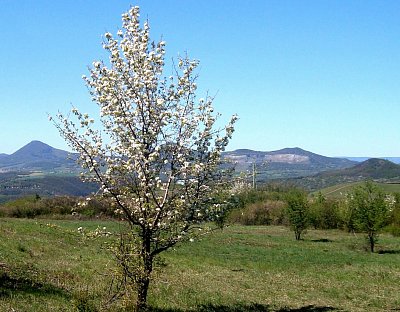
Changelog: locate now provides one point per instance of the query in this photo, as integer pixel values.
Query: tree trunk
(372, 243)
(142, 289)
(144, 282)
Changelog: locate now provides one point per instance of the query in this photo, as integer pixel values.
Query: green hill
(373, 168)
(17, 184)
(340, 190)
(378, 170)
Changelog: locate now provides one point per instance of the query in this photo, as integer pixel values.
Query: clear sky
(320, 75)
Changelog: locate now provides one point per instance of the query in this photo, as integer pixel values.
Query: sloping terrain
(17, 184)
(395, 160)
(340, 190)
(38, 156)
(379, 170)
(38, 168)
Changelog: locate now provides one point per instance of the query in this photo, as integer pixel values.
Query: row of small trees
(366, 209)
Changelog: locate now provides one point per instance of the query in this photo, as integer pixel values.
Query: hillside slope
(38, 168)
(379, 170)
(17, 184)
(38, 156)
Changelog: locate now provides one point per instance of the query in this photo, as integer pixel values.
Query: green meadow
(47, 265)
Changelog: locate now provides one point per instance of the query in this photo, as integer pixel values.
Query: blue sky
(320, 75)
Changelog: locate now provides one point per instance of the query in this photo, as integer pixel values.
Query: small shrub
(34, 206)
(393, 229)
(84, 303)
(324, 213)
(297, 211)
(371, 210)
(260, 213)
(272, 191)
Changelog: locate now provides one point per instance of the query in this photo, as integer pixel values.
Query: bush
(272, 191)
(371, 210)
(394, 216)
(34, 206)
(260, 213)
(324, 213)
(297, 211)
(393, 229)
(25, 207)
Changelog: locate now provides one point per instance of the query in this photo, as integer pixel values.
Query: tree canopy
(156, 151)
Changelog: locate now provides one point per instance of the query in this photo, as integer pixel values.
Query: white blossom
(155, 149)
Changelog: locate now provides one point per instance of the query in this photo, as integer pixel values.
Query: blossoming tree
(156, 150)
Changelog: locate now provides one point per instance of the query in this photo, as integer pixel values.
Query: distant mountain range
(38, 156)
(40, 168)
(284, 163)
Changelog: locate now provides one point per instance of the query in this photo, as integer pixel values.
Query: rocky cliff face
(288, 158)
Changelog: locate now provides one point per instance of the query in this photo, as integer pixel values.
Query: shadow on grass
(309, 308)
(255, 307)
(322, 240)
(10, 284)
(390, 251)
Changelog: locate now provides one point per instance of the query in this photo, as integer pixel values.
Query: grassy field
(47, 265)
(340, 190)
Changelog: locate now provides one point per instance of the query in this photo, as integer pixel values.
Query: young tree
(297, 211)
(157, 151)
(371, 210)
(395, 214)
(324, 213)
